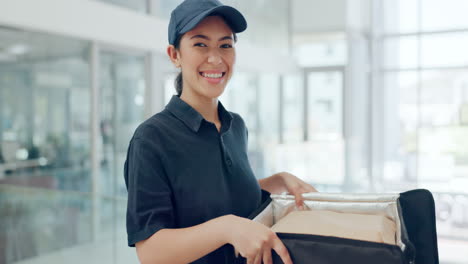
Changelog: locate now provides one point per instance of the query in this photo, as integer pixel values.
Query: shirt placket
(227, 157)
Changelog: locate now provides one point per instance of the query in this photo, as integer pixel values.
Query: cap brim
(233, 18)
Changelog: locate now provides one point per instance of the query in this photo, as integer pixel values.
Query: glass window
(401, 119)
(425, 143)
(443, 97)
(443, 15)
(325, 128)
(325, 104)
(400, 52)
(268, 102)
(122, 110)
(448, 49)
(240, 96)
(426, 113)
(443, 100)
(321, 50)
(443, 166)
(45, 180)
(443, 145)
(121, 97)
(293, 108)
(400, 15)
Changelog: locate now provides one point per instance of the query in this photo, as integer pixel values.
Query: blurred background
(351, 96)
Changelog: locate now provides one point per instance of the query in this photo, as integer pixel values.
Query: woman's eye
(199, 45)
(226, 46)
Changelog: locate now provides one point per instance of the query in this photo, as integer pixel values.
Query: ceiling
(309, 16)
(312, 16)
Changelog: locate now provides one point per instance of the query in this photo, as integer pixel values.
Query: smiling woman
(206, 55)
(190, 184)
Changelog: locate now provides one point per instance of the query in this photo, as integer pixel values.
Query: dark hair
(178, 80)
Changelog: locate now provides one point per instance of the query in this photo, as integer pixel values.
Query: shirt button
(229, 162)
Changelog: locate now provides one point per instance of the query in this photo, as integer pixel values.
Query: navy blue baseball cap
(189, 13)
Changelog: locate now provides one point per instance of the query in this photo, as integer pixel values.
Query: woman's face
(206, 56)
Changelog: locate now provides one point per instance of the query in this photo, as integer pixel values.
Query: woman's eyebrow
(200, 36)
(225, 38)
(207, 38)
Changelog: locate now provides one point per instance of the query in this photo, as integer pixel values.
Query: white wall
(86, 19)
(318, 15)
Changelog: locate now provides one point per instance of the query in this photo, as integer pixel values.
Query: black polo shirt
(180, 172)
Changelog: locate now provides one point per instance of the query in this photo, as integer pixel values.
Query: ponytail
(178, 79)
(178, 84)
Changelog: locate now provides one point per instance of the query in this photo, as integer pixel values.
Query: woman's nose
(214, 57)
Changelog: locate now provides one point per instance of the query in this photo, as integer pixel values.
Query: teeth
(213, 75)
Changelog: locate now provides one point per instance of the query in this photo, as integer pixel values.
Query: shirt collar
(191, 118)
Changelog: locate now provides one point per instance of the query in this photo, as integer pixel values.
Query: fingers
(282, 251)
(264, 255)
(304, 188)
(299, 200)
(267, 256)
(310, 188)
(258, 258)
(307, 187)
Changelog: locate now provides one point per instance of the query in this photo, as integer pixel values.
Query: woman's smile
(213, 76)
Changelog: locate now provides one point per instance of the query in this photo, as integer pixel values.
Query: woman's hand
(286, 182)
(254, 241)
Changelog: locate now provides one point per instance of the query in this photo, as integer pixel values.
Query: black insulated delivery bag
(411, 215)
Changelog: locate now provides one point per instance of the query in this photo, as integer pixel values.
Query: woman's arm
(286, 182)
(252, 240)
(182, 245)
(273, 184)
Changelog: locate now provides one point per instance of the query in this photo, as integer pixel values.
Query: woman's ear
(173, 55)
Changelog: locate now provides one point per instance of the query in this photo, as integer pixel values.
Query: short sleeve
(150, 206)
